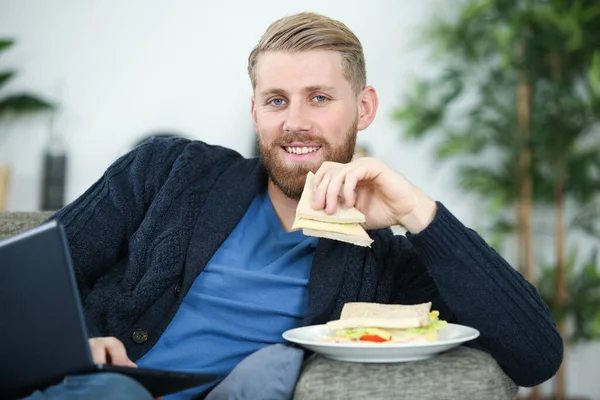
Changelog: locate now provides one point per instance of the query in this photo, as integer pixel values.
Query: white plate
(310, 337)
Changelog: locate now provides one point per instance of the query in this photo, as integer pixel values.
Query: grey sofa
(462, 373)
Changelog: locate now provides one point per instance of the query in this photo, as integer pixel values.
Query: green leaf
(583, 296)
(591, 13)
(457, 143)
(485, 180)
(596, 326)
(587, 220)
(5, 77)
(552, 16)
(23, 103)
(595, 74)
(501, 228)
(5, 44)
(476, 9)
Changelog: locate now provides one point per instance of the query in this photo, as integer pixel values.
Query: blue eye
(320, 98)
(277, 102)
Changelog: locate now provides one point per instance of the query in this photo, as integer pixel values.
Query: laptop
(43, 336)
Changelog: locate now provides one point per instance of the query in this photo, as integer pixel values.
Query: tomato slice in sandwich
(373, 338)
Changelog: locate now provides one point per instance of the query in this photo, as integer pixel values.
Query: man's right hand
(110, 350)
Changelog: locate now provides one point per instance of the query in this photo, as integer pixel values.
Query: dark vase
(54, 174)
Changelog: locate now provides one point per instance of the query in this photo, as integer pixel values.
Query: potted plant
(517, 105)
(14, 105)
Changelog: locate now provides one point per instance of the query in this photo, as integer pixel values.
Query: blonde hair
(311, 31)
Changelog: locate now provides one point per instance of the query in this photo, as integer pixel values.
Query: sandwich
(344, 225)
(386, 323)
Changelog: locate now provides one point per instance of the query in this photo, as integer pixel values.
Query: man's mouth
(301, 150)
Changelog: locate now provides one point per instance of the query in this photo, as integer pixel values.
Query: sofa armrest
(461, 373)
(12, 223)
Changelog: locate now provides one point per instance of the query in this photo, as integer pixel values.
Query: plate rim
(473, 334)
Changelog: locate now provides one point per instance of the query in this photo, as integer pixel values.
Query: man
(184, 255)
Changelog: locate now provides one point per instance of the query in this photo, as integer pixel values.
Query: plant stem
(525, 209)
(561, 281)
(525, 197)
(559, 237)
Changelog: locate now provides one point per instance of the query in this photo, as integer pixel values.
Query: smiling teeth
(301, 150)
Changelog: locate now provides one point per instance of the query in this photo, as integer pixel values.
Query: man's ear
(253, 112)
(367, 107)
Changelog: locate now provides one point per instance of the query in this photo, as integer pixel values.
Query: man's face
(305, 112)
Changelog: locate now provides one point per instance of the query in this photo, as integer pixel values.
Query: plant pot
(4, 181)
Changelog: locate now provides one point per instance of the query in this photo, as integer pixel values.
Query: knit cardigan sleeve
(100, 221)
(464, 275)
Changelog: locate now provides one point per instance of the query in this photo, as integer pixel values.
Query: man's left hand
(383, 195)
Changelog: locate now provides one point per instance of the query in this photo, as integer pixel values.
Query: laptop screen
(42, 329)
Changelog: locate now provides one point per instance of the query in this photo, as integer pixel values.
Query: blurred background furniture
(4, 177)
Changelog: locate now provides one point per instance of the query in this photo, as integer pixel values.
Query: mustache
(290, 137)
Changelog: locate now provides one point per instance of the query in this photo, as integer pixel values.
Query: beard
(290, 179)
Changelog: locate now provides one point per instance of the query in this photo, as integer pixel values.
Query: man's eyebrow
(308, 89)
(319, 88)
(270, 92)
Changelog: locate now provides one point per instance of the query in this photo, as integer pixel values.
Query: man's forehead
(299, 71)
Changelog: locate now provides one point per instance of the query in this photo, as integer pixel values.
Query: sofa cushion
(269, 373)
(461, 373)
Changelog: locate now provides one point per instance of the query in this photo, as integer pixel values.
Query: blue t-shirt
(252, 290)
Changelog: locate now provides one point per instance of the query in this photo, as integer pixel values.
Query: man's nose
(296, 119)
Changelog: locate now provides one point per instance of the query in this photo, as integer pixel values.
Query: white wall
(123, 69)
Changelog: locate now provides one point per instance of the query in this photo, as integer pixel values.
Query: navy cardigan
(145, 230)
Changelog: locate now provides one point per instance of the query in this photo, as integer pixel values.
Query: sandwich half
(344, 225)
(386, 323)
